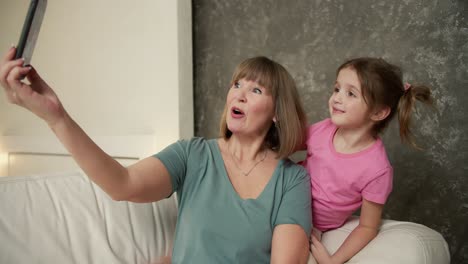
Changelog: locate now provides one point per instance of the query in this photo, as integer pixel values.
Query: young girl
(346, 159)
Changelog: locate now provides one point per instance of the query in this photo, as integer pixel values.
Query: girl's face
(347, 106)
(250, 108)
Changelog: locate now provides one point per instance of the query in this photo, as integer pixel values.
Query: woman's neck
(245, 149)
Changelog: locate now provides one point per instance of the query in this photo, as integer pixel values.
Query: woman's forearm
(110, 175)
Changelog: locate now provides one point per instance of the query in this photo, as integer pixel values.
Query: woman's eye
(257, 91)
(237, 84)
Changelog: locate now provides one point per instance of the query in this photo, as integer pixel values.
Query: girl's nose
(336, 97)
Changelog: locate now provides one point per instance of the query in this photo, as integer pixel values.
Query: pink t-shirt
(340, 181)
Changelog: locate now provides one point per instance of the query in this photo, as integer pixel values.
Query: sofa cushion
(65, 218)
(397, 242)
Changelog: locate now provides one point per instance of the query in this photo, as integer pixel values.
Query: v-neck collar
(222, 167)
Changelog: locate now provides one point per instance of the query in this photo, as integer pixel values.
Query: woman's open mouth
(236, 112)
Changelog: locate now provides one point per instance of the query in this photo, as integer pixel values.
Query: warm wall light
(3, 164)
(3, 158)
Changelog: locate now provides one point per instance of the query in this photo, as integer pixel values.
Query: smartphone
(31, 27)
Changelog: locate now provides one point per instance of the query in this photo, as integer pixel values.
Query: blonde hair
(289, 132)
(382, 85)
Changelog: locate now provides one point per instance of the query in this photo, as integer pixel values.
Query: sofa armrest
(397, 242)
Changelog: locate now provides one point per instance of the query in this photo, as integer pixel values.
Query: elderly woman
(240, 199)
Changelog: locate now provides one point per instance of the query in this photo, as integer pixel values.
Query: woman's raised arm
(147, 180)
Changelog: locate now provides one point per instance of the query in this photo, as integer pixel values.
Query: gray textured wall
(428, 39)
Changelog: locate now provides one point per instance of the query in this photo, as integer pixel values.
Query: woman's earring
(277, 124)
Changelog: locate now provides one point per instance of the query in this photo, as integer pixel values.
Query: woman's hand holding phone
(36, 96)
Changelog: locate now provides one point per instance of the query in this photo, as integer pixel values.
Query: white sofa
(65, 218)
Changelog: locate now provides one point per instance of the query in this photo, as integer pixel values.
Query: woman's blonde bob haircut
(289, 132)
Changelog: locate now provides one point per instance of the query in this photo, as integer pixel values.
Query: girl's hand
(37, 96)
(320, 253)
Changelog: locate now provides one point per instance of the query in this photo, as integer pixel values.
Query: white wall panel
(121, 68)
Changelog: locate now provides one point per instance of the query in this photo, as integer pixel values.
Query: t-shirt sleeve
(380, 187)
(295, 205)
(175, 157)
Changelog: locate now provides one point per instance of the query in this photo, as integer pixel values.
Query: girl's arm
(369, 223)
(290, 244)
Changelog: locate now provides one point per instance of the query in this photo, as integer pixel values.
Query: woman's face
(250, 108)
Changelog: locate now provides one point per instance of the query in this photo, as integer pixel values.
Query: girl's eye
(336, 89)
(351, 94)
(257, 91)
(237, 84)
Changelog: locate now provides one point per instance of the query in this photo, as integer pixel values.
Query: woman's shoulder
(293, 170)
(196, 141)
(194, 145)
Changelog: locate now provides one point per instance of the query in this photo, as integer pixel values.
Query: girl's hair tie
(407, 86)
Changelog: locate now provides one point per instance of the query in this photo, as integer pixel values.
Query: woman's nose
(241, 96)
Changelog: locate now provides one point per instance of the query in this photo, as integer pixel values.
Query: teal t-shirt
(215, 225)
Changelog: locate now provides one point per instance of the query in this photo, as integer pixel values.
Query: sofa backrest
(65, 218)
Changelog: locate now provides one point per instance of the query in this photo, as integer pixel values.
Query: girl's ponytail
(382, 85)
(406, 104)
